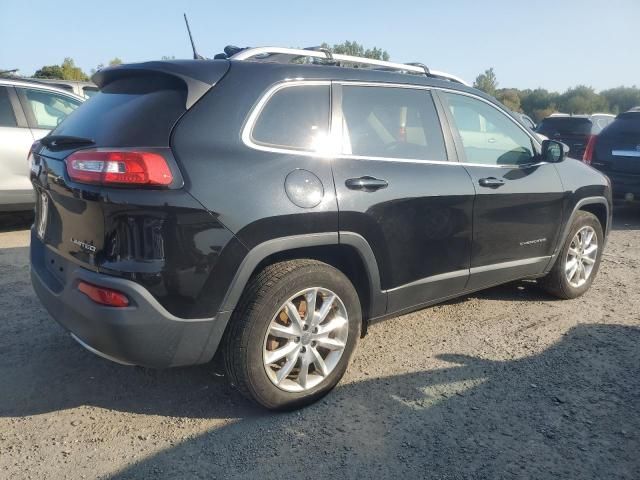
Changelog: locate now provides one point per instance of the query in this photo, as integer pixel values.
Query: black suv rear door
(397, 189)
(519, 201)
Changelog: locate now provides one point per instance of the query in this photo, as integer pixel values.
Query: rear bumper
(144, 333)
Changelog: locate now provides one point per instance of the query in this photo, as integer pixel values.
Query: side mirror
(554, 151)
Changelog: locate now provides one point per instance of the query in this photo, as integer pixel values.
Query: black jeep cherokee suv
(272, 210)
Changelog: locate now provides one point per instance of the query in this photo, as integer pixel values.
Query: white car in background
(28, 111)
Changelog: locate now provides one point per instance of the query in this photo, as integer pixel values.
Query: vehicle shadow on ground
(570, 412)
(626, 217)
(518, 291)
(42, 369)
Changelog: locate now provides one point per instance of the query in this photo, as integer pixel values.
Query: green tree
(66, 71)
(115, 61)
(582, 99)
(510, 98)
(71, 72)
(50, 71)
(487, 82)
(538, 103)
(357, 50)
(621, 99)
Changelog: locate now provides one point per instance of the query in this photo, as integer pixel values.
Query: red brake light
(104, 296)
(587, 156)
(119, 167)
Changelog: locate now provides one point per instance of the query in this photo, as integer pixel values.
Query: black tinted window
(624, 124)
(565, 126)
(295, 117)
(129, 112)
(391, 122)
(7, 117)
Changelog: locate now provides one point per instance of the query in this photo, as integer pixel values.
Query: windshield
(565, 126)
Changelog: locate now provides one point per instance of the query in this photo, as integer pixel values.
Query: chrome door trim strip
(511, 264)
(431, 279)
(471, 271)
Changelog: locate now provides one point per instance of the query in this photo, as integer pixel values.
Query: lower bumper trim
(99, 353)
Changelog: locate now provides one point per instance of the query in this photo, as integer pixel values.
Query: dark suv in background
(617, 154)
(577, 131)
(273, 210)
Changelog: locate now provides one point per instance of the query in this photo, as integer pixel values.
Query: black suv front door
(397, 189)
(519, 200)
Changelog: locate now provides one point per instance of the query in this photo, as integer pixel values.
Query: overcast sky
(554, 44)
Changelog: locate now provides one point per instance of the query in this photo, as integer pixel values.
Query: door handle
(366, 183)
(491, 182)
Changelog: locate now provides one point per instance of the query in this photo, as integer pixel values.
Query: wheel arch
(598, 206)
(346, 251)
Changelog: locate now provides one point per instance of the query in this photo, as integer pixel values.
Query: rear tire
(264, 326)
(577, 263)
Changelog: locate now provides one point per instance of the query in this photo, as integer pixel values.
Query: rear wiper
(63, 141)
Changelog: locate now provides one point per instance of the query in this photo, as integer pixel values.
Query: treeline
(541, 103)
(538, 103)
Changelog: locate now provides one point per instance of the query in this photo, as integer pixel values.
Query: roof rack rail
(338, 57)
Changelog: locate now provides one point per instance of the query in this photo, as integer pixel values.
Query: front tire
(292, 334)
(578, 260)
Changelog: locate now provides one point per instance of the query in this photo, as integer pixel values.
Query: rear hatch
(574, 131)
(617, 149)
(97, 225)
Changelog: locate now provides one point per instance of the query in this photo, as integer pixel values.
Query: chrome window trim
(247, 130)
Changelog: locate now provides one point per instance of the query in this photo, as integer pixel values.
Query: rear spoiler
(198, 76)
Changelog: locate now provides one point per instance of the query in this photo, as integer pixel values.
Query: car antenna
(196, 55)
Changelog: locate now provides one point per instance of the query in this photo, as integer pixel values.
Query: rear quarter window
(294, 117)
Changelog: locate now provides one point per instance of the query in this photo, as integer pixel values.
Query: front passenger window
(488, 136)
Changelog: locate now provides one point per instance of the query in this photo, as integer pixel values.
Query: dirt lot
(507, 383)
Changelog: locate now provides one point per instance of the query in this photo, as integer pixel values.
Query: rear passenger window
(7, 117)
(391, 122)
(295, 117)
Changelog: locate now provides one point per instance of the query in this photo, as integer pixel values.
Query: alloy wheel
(305, 339)
(581, 256)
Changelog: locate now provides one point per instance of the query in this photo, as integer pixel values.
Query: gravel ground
(506, 383)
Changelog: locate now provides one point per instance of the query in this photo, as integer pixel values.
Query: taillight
(587, 156)
(103, 296)
(119, 167)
